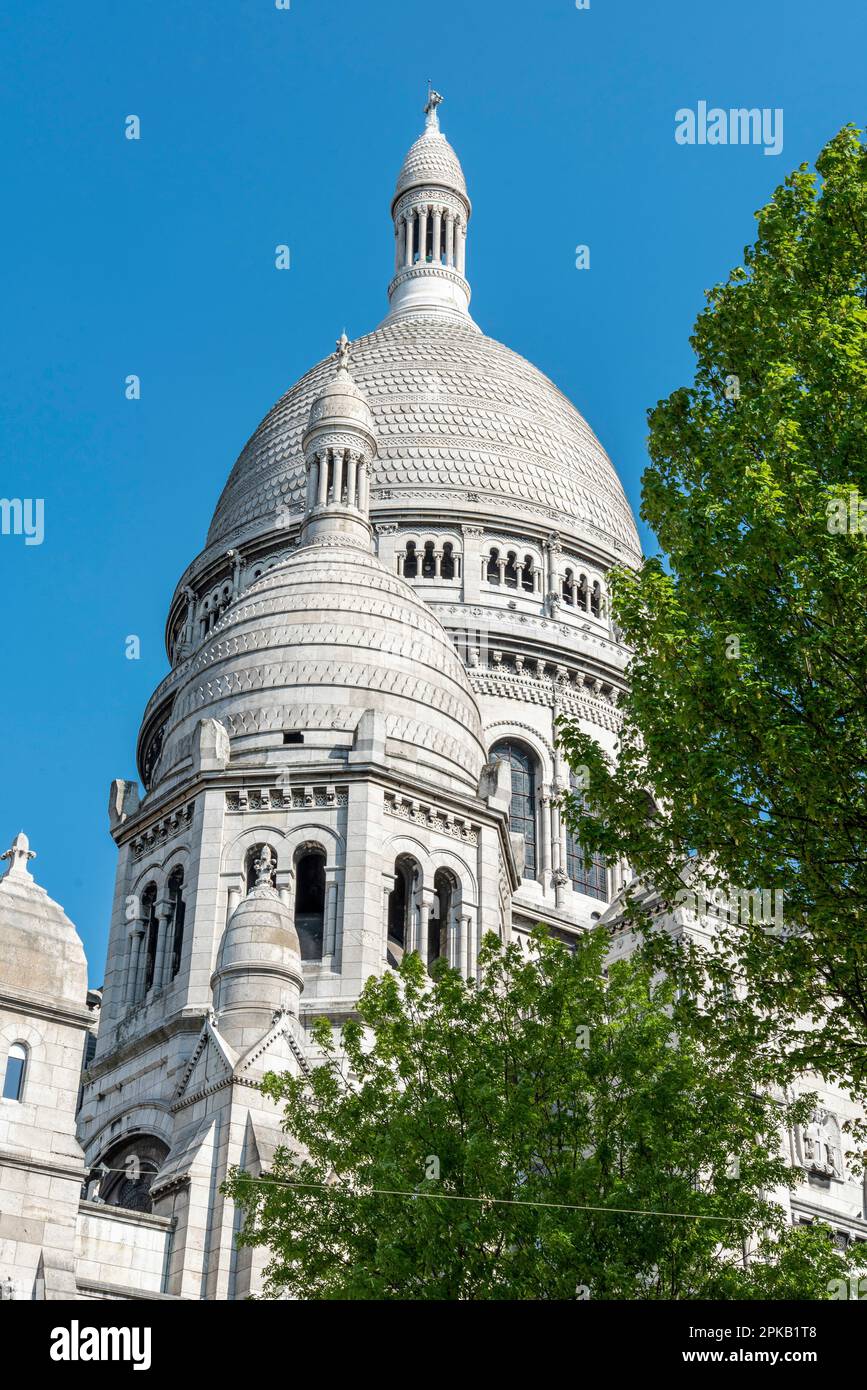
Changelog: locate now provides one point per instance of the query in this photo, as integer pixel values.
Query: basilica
(353, 755)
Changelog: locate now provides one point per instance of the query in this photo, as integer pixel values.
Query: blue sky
(262, 126)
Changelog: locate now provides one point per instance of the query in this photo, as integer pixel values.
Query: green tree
(550, 1133)
(747, 717)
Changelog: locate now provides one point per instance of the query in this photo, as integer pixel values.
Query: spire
(431, 210)
(339, 446)
(19, 854)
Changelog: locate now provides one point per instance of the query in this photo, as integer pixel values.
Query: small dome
(259, 964)
(40, 951)
(431, 160)
(341, 404)
(260, 932)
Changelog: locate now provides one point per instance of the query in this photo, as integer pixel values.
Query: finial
(343, 347)
(19, 854)
(433, 101)
(264, 868)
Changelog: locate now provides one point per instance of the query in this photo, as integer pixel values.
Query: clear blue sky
(262, 126)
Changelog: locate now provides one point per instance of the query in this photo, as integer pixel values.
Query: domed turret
(431, 210)
(339, 445)
(259, 965)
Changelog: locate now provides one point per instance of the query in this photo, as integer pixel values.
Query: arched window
(152, 933)
(582, 592)
(494, 566)
(16, 1070)
(251, 859)
(401, 905)
(310, 902)
(176, 922)
(527, 576)
(410, 564)
(596, 600)
(510, 574)
(447, 566)
(441, 920)
(127, 1172)
(569, 587)
(588, 872)
(522, 812)
(428, 563)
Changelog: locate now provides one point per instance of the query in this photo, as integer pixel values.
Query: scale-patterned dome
(431, 160)
(460, 419)
(322, 637)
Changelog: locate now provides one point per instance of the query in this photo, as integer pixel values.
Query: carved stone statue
(265, 867)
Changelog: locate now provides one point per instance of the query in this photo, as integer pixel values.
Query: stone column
(407, 240)
(398, 249)
(544, 819)
(312, 483)
(437, 234)
(329, 934)
(387, 886)
(422, 235)
(462, 248)
(134, 953)
(552, 550)
(165, 915)
(338, 475)
(450, 238)
(351, 481)
(322, 497)
(363, 486)
(233, 897)
(424, 908)
(438, 564)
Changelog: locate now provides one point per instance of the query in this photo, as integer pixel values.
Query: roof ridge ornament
(18, 854)
(344, 347)
(434, 99)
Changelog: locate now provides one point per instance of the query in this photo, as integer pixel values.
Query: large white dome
(460, 421)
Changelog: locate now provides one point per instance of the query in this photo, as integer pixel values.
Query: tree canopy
(746, 721)
(552, 1132)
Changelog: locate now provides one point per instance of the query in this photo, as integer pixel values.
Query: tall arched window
(401, 904)
(528, 580)
(569, 587)
(152, 933)
(494, 566)
(428, 561)
(596, 599)
(582, 592)
(522, 812)
(588, 872)
(16, 1071)
(447, 565)
(441, 920)
(410, 563)
(510, 574)
(310, 902)
(176, 923)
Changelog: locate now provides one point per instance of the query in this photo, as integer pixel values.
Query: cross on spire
(18, 854)
(433, 101)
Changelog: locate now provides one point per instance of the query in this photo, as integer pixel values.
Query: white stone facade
(353, 754)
